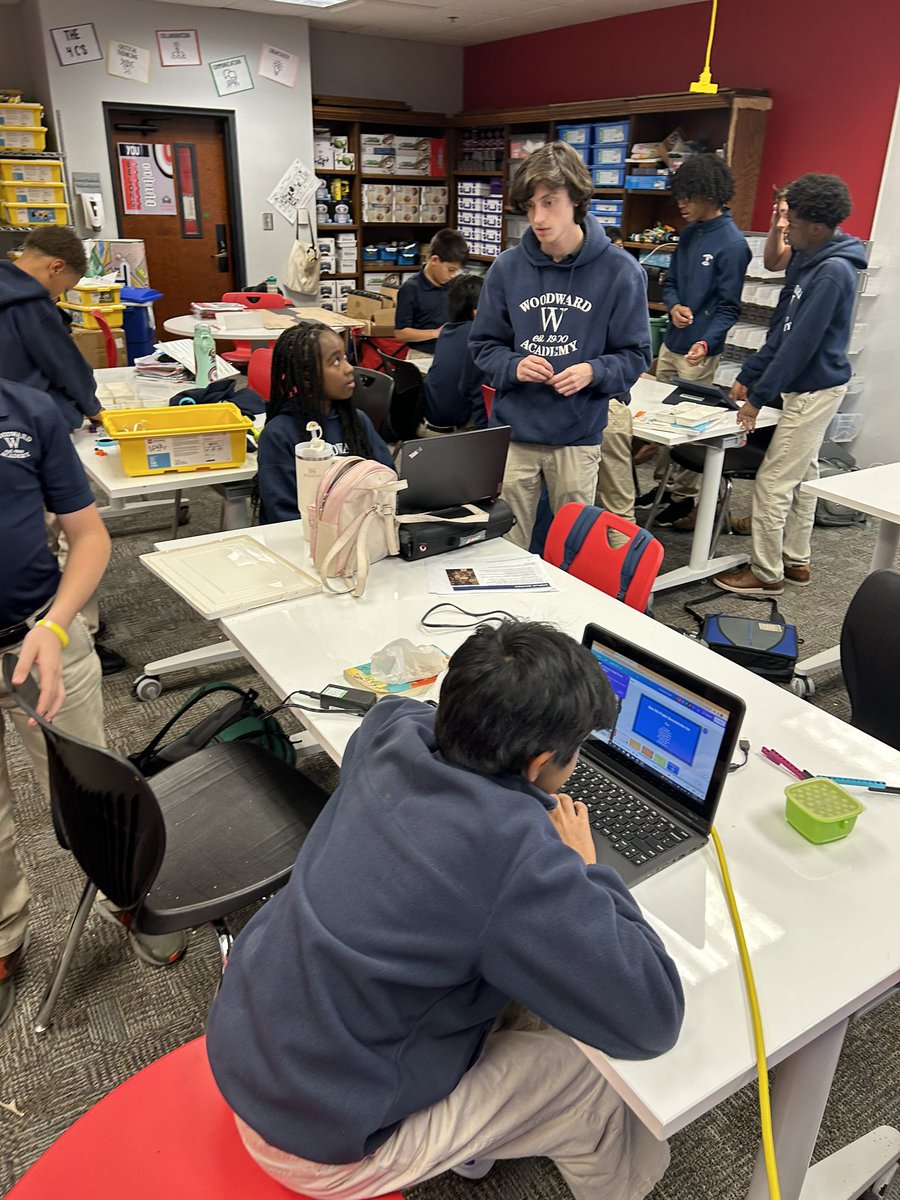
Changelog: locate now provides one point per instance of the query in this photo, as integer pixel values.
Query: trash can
(140, 327)
(657, 332)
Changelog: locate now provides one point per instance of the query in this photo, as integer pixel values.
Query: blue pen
(874, 785)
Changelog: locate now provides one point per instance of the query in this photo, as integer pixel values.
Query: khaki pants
(570, 473)
(783, 514)
(82, 716)
(669, 366)
(615, 482)
(532, 1092)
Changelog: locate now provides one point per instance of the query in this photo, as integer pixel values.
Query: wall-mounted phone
(92, 206)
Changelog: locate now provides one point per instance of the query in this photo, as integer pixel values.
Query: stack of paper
(208, 310)
(688, 416)
(151, 366)
(182, 351)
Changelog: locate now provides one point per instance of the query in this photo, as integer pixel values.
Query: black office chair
(212, 833)
(408, 404)
(870, 656)
(372, 395)
(741, 462)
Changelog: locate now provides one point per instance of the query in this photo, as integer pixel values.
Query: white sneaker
(474, 1168)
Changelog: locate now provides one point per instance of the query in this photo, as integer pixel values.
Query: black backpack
(767, 648)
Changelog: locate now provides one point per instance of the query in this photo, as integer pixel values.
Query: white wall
(274, 123)
(428, 77)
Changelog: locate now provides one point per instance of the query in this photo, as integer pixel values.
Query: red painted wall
(832, 72)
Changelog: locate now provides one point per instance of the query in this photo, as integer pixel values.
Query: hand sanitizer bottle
(311, 459)
(204, 354)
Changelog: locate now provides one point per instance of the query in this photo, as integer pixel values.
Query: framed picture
(232, 75)
(127, 61)
(76, 44)
(178, 47)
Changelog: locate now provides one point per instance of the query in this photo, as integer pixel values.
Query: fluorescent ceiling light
(312, 3)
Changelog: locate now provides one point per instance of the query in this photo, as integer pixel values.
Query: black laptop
(653, 782)
(453, 469)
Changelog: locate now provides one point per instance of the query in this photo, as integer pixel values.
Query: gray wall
(15, 62)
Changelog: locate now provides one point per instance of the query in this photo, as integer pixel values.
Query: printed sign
(128, 62)
(198, 450)
(294, 190)
(76, 44)
(279, 66)
(148, 185)
(232, 75)
(178, 47)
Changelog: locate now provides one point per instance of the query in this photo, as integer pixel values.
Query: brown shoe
(686, 524)
(798, 575)
(745, 582)
(742, 526)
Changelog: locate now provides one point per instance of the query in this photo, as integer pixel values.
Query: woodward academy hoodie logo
(9, 444)
(551, 341)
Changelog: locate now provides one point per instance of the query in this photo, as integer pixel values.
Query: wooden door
(171, 179)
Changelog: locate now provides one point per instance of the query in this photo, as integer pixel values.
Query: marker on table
(780, 761)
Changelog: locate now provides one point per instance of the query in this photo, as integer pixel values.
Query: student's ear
(534, 766)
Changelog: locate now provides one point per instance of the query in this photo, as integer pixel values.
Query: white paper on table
(488, 575)
(182, 351)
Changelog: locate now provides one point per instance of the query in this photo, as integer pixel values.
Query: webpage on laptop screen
(661, 726)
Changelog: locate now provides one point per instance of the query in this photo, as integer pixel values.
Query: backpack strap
(206, 690)
(476, 516)
(581, 527)
(633, 555)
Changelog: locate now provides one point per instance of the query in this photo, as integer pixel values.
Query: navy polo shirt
(422, 305)
(453, 384)
(39, 470)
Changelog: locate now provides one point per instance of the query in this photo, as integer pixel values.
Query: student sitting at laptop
(453, 398)
(311, 381)
(406, 1004)
(422, 301)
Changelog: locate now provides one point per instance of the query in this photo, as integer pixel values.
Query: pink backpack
(353, 521)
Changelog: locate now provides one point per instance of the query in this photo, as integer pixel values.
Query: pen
(894, 791)
(780, 761)
(874, 785)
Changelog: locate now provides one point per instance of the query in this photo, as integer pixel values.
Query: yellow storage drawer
(194, 437)
(19, 114)
(92, 293)
(32, 193)
(23, 137)
(31, 170)
(22, 216)
(83, 315)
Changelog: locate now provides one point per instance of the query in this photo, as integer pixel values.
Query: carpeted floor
(116, 1015)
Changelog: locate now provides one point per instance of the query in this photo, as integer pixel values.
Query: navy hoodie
(453, 382)
(424, 899)
(588, 308)
(277, 475)
(807, 350)
(707, 274)
(36, 348)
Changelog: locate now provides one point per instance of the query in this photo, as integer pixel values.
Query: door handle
(221, 254)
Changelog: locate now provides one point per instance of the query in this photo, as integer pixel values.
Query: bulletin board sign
(76, 44)
(178, 47)
(278, 65)
(232, 75)
(148, 181)
(128, 62)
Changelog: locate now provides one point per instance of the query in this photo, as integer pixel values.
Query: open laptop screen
(673, 730)
(453, 469)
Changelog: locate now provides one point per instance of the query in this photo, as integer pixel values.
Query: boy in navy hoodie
(562, 326)
(407, 1003)
(453, 397)
(702, 291)
(804, 364)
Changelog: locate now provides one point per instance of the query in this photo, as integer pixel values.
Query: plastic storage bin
(844, 427)
(22, 216)
(575, 135)
(647, 183)
(821, 810)
(84, 318)
(21, 114)
(612, 177)
(23, 137)
(92, 293)
(657, 333)
(195, 437)
(608, 156)
(32, 193)
(137, 321)
(611, 131)
(48, 170)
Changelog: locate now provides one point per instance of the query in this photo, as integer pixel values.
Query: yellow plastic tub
(31, 170)
(23, 137)
(83, 314)
(23, 216)
(94, 294)
(19, 114)
(27, 192)
(195, 437)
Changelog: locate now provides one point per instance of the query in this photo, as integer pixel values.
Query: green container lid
(821, 810)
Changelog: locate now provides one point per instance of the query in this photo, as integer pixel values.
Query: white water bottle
(311, 460)
(271, 284)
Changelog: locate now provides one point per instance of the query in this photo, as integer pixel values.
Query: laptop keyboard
(633, 829)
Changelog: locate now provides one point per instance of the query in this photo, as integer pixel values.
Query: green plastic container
(657, 332)
(821, 810)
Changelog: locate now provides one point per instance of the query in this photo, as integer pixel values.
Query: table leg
(176, 513)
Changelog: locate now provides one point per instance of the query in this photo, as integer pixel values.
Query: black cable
(494, 614)
(286, 703)
(744, 747)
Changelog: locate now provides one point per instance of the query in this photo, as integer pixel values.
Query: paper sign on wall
(127, 61)
(148, 185)
(178, 47)
(76, 44)
(278, 65)
(232, 75)
(294, 190)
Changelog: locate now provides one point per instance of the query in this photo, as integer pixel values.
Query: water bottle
(271, 284)
(311, 460)
(204, 354)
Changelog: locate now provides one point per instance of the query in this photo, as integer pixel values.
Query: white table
(875, 491)
(647, 397)
(822, 923)
(184, 327)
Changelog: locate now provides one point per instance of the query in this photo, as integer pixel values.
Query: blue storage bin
(612, 177)
(609, 156)
(370, 254)
(647, 183)
(407, 254)
(611, 131)
(610, 208)
(575, 135)
(137, 321)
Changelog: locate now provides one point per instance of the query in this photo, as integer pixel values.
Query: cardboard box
(379, 309)
(435, 195)
(375, 164)
(93, 347)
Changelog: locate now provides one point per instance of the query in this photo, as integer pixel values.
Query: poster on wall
(127, 61)
(178, 47)
(294, 190)
(232, 75)
(76, 44)
(186, 177)
(278, 65)
(148, 183)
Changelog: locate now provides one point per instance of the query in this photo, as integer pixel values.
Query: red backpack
(624, 566)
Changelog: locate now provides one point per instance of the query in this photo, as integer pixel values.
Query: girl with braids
(311, 381)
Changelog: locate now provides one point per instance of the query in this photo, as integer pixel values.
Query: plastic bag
(401, 661)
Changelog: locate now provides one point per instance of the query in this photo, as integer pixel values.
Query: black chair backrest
(741, 462)
(870, 656)
(372, 395)
(105, 808)
(408, 404)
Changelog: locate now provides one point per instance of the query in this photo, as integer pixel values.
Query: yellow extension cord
(765, 1109)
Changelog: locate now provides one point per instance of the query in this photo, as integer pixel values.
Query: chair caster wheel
(147, 687)
(803, 686)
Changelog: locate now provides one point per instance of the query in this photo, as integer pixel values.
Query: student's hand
(696, 354)
(746, 416)
(570, 820)
(738, 392)
(43, 649)
(573, 379)
(681, 316)
(534, 369)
